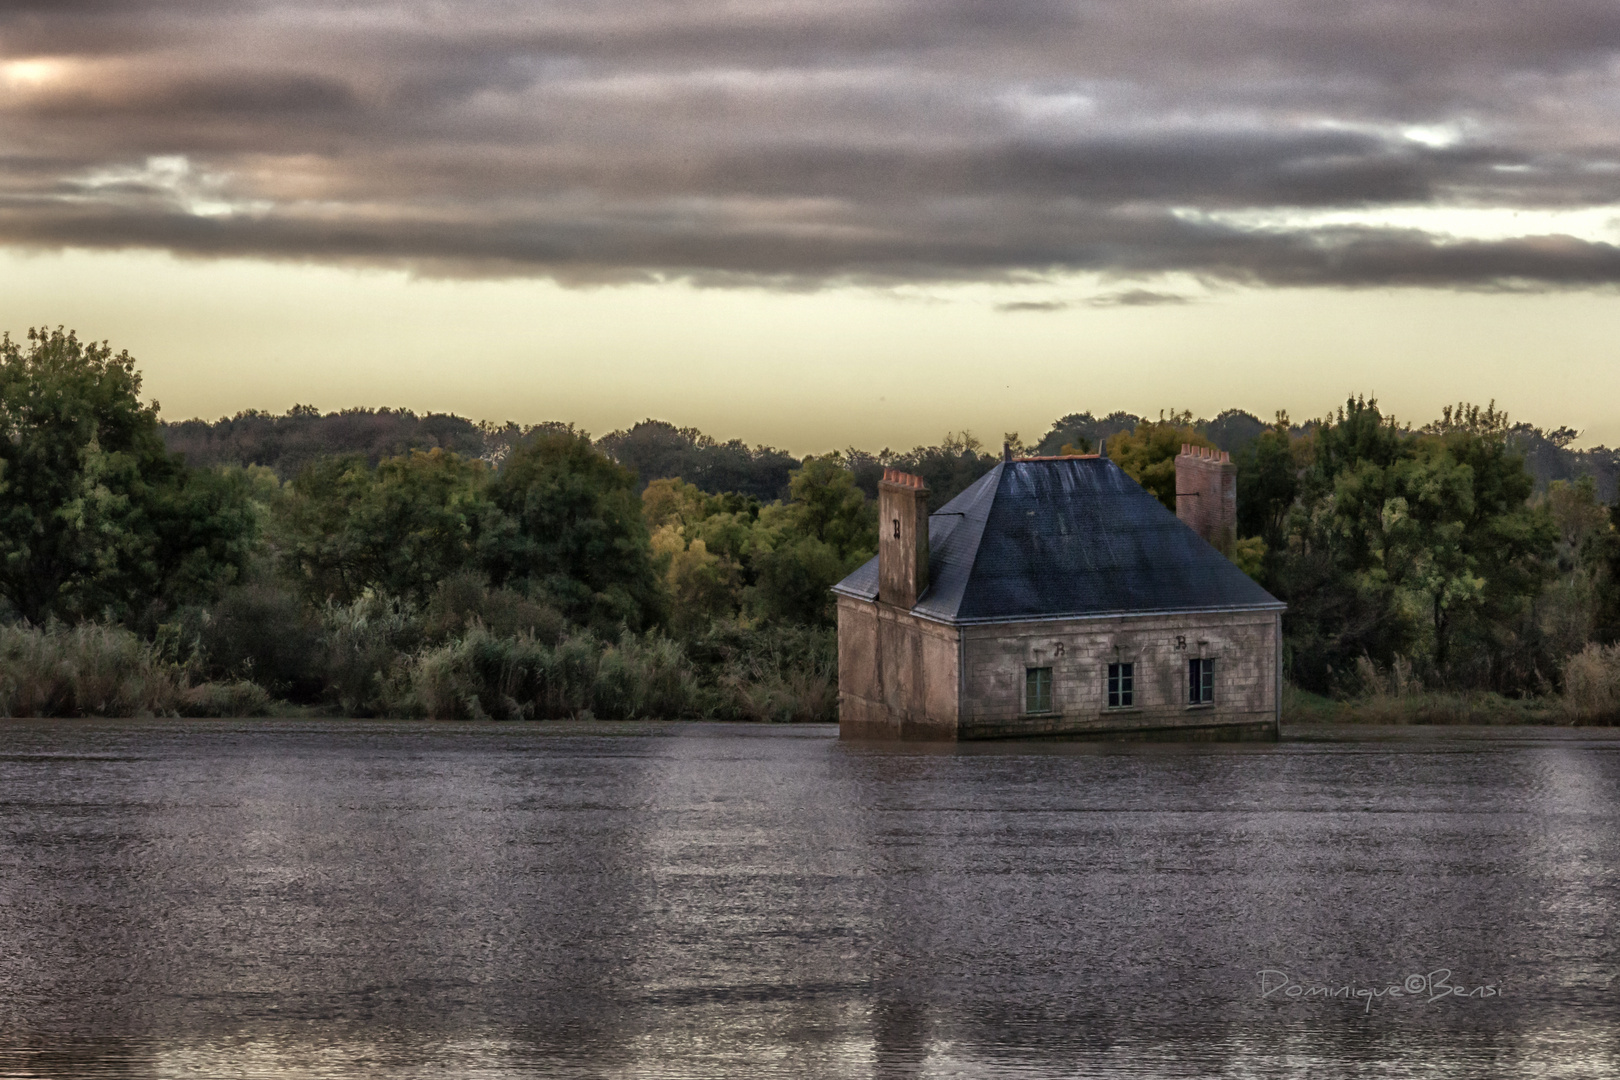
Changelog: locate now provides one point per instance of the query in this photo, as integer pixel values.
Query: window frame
(1119, 685)
(1032, 687)
(1200, 681)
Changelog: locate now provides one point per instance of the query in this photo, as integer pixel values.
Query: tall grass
(95, 670)
(363, 644)
(1592, 685)
(482, 676)
(468, 653)
(1396, 695)
(733, 673)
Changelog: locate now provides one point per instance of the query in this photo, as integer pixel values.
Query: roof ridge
(1059, 457)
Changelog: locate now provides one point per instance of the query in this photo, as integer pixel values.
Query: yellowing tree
(1148, 454)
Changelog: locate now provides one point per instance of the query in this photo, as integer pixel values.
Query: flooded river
(350, 899)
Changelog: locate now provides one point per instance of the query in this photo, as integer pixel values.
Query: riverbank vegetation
(374, 562)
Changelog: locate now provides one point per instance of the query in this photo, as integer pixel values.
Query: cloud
(1122, 298)
(1042, 306)
(1275, 142)
(1137, 298)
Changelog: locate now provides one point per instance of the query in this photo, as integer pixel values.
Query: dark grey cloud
(1259, 141)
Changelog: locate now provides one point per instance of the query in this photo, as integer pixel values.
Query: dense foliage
(568, 527)
(376, 562)
(1422, 547)
(654, 449)
(286, 444)
(96, 516)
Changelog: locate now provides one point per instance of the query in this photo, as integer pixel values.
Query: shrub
(363, 643)
(644, 677)
(222, 699)
(482, 676)
(263, 633)
(463, 600)
(1399, 681)
(96, 670)
(1592, 684)
(86, 670)
(778, 672)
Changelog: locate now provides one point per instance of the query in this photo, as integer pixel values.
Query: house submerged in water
(1057, 597)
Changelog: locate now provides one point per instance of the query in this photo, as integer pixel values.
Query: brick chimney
(902, 538)
(1206, 494)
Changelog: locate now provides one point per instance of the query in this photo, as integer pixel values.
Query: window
(1038, 689)
(1200, 682)
(1121, 685)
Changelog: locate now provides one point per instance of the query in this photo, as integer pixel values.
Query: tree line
(654, 449)
(375, 561)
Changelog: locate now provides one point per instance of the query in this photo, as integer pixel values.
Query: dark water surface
(345, 899)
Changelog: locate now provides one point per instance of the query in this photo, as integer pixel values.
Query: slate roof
(1066, 538)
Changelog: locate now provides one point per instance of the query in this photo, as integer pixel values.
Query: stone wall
(898, 675)
(1243, 646)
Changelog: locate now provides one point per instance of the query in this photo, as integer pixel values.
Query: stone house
(1056, 596)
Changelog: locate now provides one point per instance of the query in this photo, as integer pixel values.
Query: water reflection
(344, 900)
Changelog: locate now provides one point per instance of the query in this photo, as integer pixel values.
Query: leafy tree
(703, 587)
(1408, 543)
(96, 516)
(1234, 429)
(400, 528)
(809, 544)
(1267, 483)
(1083, 428)
(948, 468)
(312, 530)
(571, 531)
(1507, 542)
(289, 443)
(654, 449)
(701, 542)
(1580, 518)
(794, 580)
(1148, 453)
(209, 527)
(827, 505)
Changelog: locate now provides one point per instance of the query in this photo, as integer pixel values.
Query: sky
(821, 223)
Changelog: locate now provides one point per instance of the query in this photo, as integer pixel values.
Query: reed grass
(96, 670)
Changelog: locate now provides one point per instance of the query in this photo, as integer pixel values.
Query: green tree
(571, 530)
(1083, 429)
(96, 516)
(1408, 543)
(1148, 453)
(414, 520)
(1267, 483)
(826, 504)
(318, 547)
(807, 545)
(1507, 543)
(794, 580)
